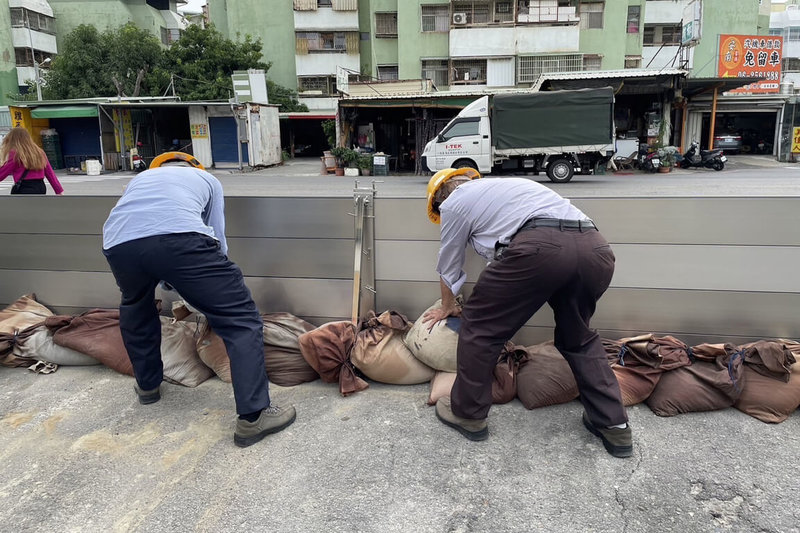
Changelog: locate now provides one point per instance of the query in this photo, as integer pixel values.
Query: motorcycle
(705, 158)
(139, 163)
(648, 161)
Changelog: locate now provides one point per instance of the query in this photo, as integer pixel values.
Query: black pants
(193, 264)
(568, 269)
(31, 187)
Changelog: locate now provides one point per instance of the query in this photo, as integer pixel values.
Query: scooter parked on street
(694, 157)
(648, 160)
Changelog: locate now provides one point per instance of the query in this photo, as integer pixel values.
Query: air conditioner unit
(459, 18)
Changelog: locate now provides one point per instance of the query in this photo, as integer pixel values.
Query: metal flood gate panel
(705, 269)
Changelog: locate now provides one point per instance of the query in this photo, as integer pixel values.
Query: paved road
(80, 454)
(745, 175)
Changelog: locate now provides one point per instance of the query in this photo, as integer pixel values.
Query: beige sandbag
(210, 346)
(379, 351)
(435, 345)
(24, 312)
(441, 385)
(40, 346)
(182, 364)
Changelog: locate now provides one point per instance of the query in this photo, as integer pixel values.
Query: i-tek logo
(453, 146)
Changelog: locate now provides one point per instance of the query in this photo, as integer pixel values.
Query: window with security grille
(468, 71)
(775, 32)
(791, 64)
(436, 71)
(634, 14)
(435, 18)
(531, 67)
(592, 62)
(476, 12)
(387, 72)
(324, 3)
(24, 18)
(794, 33)
(591, 15)
(24, 58)
(325, 84)
(386, 25)
(633, 62)
(659, 34)
(322, 41)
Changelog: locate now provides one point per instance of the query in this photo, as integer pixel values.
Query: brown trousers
(569, 269)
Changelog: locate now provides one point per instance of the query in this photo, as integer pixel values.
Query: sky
(192, 6)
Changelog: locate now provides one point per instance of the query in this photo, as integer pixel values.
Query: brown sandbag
(9, 347)
(23, 313)
(770, 394)
(327, 350)
(636, 383)
(703, 386)
(182, 364)
(96, 333)
(285, 364)
(545, 378)
(504, 382)
(380, 353)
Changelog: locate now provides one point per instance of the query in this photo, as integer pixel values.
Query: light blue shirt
(168, 200)
(486, 211)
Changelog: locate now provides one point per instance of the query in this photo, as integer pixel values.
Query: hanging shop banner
(796, 141)
(751, 56)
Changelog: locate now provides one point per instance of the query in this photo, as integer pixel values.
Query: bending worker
(542, 250)
(169, 225)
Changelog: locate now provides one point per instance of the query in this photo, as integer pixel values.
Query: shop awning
(65, 111)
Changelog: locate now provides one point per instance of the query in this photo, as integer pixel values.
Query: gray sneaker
(472, 429)
(147, 396)
(617, 441)
(271, 420)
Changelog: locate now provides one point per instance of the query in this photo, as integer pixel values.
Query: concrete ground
(80, 454)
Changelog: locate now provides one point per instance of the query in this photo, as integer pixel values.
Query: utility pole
(33, 57)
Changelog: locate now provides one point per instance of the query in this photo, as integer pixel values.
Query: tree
(117, 62)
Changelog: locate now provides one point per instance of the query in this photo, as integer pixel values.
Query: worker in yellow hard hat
(542, 249)
(168, 227)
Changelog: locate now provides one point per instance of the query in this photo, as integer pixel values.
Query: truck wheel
(465, 163)
(560, 171)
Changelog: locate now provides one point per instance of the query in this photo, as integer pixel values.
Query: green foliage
(365, 162)
(668, 155)
(202, 61)
(92, 64)
(329, 129)
(345, 156)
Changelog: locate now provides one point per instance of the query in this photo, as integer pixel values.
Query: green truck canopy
(553, 118)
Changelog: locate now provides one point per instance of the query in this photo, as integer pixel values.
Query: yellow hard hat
(439, 179)
(176, 156)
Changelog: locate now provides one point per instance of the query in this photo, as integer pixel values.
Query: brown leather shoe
(617, 441)
(271, 420)
(472, 429)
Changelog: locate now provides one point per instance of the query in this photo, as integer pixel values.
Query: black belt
(560, 223)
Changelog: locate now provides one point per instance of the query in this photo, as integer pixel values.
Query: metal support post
(364, 247)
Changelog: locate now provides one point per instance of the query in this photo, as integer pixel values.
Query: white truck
(557, 132)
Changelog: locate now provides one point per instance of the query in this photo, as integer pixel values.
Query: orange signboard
(751, 56)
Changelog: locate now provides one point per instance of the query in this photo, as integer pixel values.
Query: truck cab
(465, 141)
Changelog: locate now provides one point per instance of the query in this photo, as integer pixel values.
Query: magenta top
(14, 168)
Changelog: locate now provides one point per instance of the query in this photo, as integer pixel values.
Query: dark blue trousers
(194, 265)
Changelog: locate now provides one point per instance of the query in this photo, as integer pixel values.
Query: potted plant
(339, 153)
(365, 164)
(667, 155)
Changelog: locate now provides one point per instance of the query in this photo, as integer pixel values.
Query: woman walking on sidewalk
(27, 164)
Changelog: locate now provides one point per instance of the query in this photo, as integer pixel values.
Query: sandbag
(212, 352)
(95, 333)
(636, 383)
(41, 347)
(327, 350)
(182, 364)
(545, 378)
(770, 394)
(8, 341)
(285, 364)
(23, 313)
(714, 381)
(380, 353)
(504, 379)
(434, 345)
(441, 385)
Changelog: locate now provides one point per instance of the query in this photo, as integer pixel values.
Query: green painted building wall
(8, 64)
(383, 51)
(612, 41)
(70, 14)
(272, 22)
(723, 17)
(417, 44)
